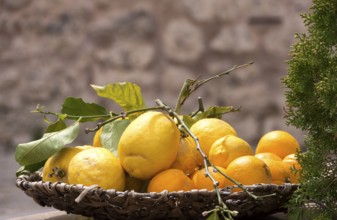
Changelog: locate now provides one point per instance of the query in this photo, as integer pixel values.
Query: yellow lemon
(249, 170)
(96, 166)
(208, 130)
(56, 167)
(291, 163)
(278, 142)
(97, 138)
(268, 155)
(279, 173)
(228, 148)
(149, 145)
(186, 159)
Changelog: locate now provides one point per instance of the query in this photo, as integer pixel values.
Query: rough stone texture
(50, 50)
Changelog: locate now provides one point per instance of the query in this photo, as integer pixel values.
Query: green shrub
(311, 98)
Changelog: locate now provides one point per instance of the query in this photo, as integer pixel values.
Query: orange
(268, 155)
(97, 166)
(249, 170)
(278, 142)
(171, 180)
(203, 182)
(279, 173)
(228, 148)
(187, 156)
(97, 138)
(292, 164)
(208, 130)
(56, 167)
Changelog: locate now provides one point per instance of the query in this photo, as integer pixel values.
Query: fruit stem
(191, 86)
(200, 107)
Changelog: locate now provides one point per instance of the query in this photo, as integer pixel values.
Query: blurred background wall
(50, 50)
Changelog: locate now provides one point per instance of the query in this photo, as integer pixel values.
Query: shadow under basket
(111, 204)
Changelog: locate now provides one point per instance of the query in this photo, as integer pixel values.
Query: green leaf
(126, 94)
(30, 168)
(76, 108)
(211, 112)
(111, 134)
(218, 111)
(41, 149)
(188, 120)
(213, 216)
(56, 126)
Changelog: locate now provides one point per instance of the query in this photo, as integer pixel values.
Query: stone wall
(50, 50)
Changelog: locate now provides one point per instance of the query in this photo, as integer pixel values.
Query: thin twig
(121, 115)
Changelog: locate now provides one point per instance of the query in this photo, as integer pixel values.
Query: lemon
(249, 170)
(228, 148)
(208, 130)
(186, 159)
(97, 138)
(96, 166)
(278, 142)
(149, 145)
(171, 180)
(56, 167)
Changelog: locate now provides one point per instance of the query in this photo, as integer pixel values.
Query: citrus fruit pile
(154, 155)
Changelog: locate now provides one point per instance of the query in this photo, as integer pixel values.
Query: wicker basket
(111, 204)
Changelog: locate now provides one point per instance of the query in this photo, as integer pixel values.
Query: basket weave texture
(112, 204)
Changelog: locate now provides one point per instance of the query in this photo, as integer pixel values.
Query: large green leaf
(41, 149)
(127, 95)
(76, 108)
(111, 134)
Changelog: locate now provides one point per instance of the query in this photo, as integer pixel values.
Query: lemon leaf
(127, 95)
(211, 112)
(111, 134)
(218, 111)
(41, 149)
(76, 108)
(213, 216)
(56, 126)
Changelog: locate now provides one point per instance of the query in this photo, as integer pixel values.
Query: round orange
(202, 182)
(228, 148)
(291, 163)
(249, 170)
(171, 180)
(278, 142)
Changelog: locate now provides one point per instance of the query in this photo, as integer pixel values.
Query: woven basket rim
(27, 177)
(112, 202)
